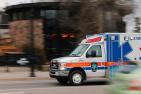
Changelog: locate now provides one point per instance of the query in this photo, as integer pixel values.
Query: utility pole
(32, 50)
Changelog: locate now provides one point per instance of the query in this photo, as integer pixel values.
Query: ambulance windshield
(79, 50)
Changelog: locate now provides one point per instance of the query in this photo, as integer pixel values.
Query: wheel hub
(77, 78)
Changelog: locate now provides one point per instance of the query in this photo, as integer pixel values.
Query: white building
(133, 20)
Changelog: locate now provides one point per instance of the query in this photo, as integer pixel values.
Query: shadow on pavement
(94, 83)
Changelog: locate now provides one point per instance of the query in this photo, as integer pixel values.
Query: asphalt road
(50, 87)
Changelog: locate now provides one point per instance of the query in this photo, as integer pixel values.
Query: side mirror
(91, 54)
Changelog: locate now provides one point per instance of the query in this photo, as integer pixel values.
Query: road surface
(50, 87)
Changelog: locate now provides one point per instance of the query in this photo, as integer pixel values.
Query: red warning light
(94, 40)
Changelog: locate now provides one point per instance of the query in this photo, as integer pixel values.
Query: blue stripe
(102, 68)
(98, 68)
(87, 68)
(90, 68)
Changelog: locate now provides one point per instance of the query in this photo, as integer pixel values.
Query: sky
(3, 3)
(11, 2)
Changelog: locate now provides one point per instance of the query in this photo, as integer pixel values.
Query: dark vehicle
(18, 59)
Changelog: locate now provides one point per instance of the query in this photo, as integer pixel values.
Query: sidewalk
(24, 75)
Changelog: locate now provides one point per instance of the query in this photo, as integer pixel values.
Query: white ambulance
(97, 58)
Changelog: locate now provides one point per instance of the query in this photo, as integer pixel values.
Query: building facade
(49, 22)
(6, 42)
(58, 27)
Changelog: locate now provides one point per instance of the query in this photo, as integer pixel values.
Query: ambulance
(97, 57)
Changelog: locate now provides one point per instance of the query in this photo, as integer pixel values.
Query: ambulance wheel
(62, 81)
(76, 77)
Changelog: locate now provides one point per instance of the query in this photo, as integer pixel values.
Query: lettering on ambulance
(128, 38)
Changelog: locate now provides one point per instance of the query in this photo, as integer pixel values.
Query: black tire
(62, 81)
(78, 72)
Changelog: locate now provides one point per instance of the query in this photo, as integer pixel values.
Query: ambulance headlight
(62, 66)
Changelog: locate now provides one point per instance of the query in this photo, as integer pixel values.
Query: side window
(95, 49)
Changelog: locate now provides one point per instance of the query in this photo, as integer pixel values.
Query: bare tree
(98, 16)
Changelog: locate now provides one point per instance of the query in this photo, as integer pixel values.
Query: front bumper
(56, 74)
(117, 90)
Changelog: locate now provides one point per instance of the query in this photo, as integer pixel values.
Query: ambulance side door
(96, 55)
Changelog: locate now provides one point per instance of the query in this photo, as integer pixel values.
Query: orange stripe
(99, 63)
(79, 64)
(109, 63)
(105, 63)
(88, 64)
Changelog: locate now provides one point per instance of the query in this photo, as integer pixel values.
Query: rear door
(118, 50)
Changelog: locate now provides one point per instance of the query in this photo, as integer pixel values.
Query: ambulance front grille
(54, 66)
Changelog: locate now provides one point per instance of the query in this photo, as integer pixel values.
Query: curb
(26, 79)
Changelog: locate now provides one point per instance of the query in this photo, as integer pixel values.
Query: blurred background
(54, 28)
(41, 30)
